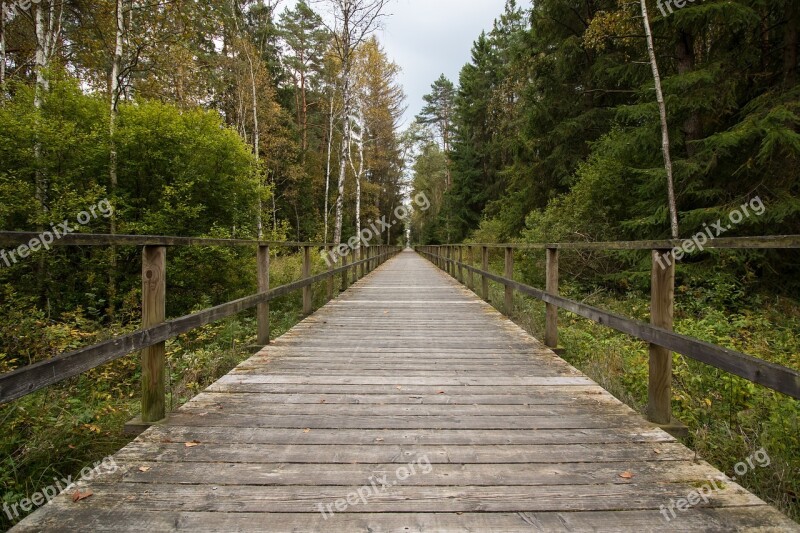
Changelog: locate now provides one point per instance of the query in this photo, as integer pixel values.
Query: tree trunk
(662, 108)
(360, 172)
(2, 42)
(791, 43)
(345, 147)
(686, 61)
(115, 93)
(328, 169)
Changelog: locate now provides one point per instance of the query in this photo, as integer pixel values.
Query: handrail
(16, 238)
(659, 333)
(28, 379)
(721, 243)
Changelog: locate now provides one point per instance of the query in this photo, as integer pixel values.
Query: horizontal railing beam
(24, 381)
(726, 243)
(770, 375)
(14, 238)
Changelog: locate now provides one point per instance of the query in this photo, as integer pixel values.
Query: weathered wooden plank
(379, 453)
(226, 434)
(403, 380)
(400, 498)
(454, 475)
(62, 517)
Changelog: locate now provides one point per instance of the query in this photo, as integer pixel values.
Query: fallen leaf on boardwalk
(307, 430)
(440, 392)
(379, 439)
(657, 451)
(78, 495)
(399, 387)
(192, 444)
(626, 475)
(144, 468)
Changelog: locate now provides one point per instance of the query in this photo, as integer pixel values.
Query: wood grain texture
(406, 370)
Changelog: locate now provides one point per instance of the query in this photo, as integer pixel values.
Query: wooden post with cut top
(485, 268)
(154, 291)
(308, 304)
(659, 391)
(509, 274)
(551, 318)
(263, 286)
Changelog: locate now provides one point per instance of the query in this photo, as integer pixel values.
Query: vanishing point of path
(408, 404)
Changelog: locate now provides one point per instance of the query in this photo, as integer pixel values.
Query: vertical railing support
(485, 268)
(471, 274)
(263, 286)
(659, 392)
(551, 319)
(331, 266)
(154, 293)
(509, 273)
(308, 304)
(460, 261)
(345, 272)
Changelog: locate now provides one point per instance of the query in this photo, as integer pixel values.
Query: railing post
(472, 264)
(308, 305)
(551, 319)
(485, 268)
(460, 261)
(345, 272)
(357, 256)
(154, 292)
(509, 274)
(659, 392)
(331, 266)
(263, 286)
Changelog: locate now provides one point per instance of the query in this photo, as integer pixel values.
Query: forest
(255, 120)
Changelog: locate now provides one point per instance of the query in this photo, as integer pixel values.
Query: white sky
(427, 38)
(432, 37)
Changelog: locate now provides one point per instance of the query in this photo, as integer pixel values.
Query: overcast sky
(432, 37)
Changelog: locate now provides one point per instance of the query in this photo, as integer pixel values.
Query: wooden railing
(658, 333)
(155, 330)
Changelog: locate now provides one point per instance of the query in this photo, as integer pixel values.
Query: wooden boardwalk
(408, 404)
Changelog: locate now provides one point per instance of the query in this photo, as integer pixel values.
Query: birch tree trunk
(359, 138)
(662, 108)
(328, 169)
(343, 151)
(115, 94)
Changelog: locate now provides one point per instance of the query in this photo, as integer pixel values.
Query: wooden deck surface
(428, 411)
